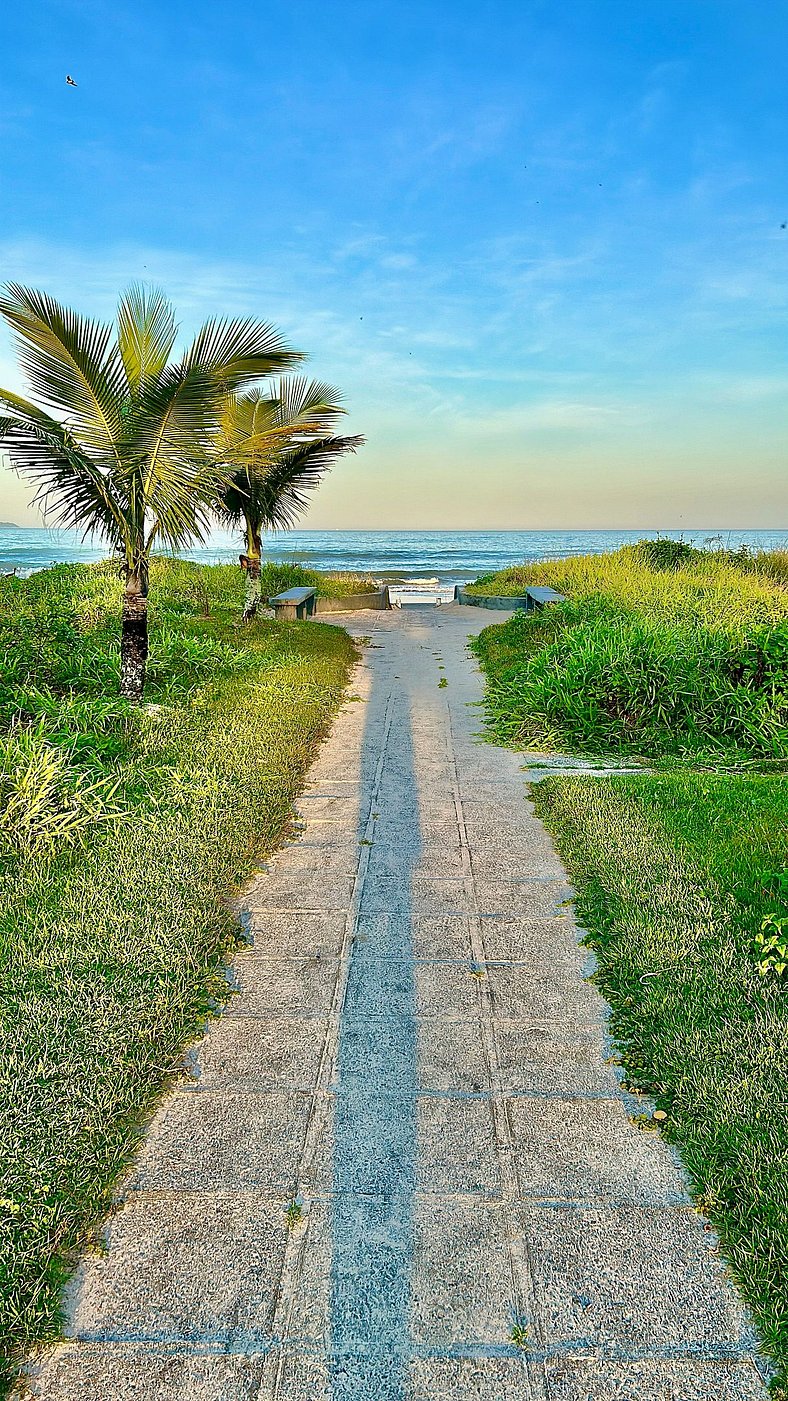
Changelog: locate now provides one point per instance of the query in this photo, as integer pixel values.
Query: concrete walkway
(415, 1065)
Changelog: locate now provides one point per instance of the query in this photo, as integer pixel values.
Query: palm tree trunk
(252, 567)
(134, 636)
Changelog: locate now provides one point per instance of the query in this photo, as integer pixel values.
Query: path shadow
(375, 1118)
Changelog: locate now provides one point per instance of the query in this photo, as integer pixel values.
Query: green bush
(663, 553)
(610, 678)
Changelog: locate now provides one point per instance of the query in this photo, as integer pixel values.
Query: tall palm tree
(275, 450)
(120, 438)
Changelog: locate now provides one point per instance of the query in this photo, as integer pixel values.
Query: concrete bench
(294, 603)
(538, 597)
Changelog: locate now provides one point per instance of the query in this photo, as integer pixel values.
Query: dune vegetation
(124, 833)
(680, 659)
(656, 652)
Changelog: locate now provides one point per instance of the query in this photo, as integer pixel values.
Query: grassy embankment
(122, 836)
(687, 667)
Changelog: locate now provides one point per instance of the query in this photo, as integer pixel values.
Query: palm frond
(71, 364)
(256, 426)
(306, 403)
(146, 333)
(239, 351)
(184, 503)
(284, 491)
(73, 488)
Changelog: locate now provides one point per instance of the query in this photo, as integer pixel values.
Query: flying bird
(70, 81)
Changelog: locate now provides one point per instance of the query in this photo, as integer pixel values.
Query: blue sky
(538, 246)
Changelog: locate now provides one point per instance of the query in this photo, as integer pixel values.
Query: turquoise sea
(450, 555)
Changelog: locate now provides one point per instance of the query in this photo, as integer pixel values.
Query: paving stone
(352, 1292)
(413, 773)
(428, 936)
(451, 1056)
(300, 890)
(165, 1275)
(470, 1379)
(462, 1280)
(434, 1144)
(348, 790)
(326, 838)
(631, 1278)
(493, 825)
(355, 1377)
(542, 944)
(209, 1140)
(520, 994)
(457, 1274)
(283, 986)
(420, 895)
(485, 787)
(424, 989)
(432, 831)
(497, 832)
(594, 1379)
(552, 1059)
(341, 812)
(339, 859)
(439, 1055)
(587, 1149)
(295, 935)
(403, 862)
(456, 1146)
(251, 1053)
(292, 1377)
(101, 1372)
(536, 899)
(512, 862)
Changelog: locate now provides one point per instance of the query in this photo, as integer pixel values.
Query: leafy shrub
(688, 655)
(275, 578)
(772, 946)
(180, 661)
(663, 553)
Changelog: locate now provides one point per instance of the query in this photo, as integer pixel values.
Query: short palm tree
(120, 438)
(275, 450)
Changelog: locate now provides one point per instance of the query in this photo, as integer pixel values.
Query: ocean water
(453, 556)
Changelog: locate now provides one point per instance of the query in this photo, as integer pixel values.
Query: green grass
(675, 872)
(112, 937)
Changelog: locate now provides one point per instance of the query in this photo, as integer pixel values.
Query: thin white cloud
(548, 415)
